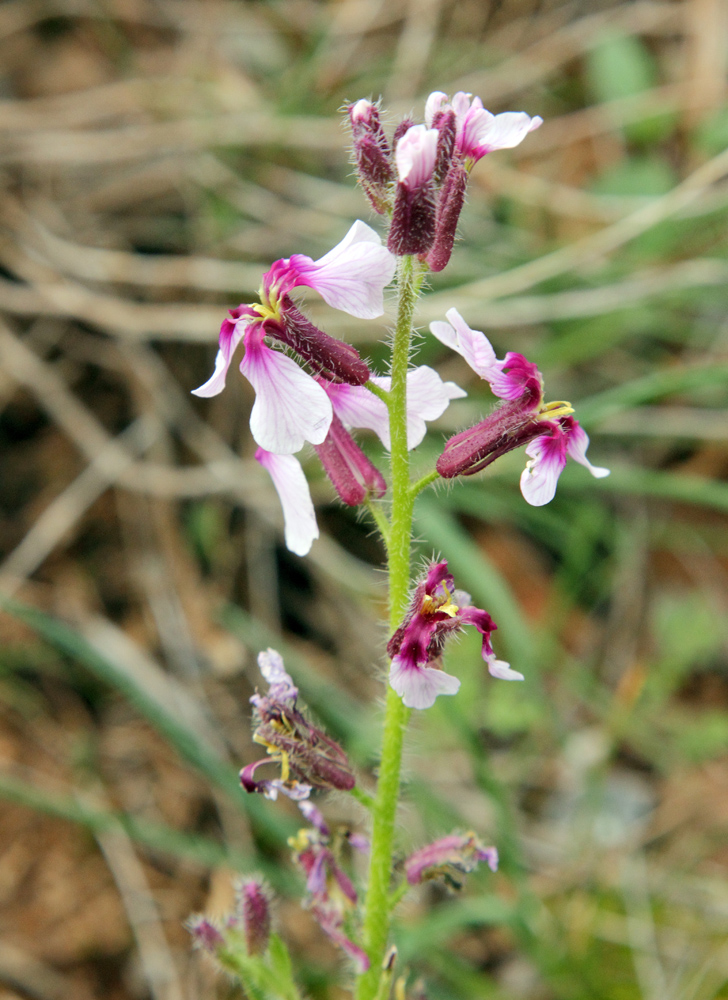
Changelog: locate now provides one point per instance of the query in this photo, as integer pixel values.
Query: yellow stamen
(558, 408)
(448, 607)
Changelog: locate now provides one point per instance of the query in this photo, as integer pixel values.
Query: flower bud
(449, 206)
(372, 153)
(204, 934)
(253, 907)
(354, 477)
(413, 219)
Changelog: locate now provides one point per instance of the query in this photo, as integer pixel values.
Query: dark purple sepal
(404, 126)
(449, 206)
(354, 477)
(328, 357)
(507, 428)
(412, 230)
(253, 910)
(446, 125)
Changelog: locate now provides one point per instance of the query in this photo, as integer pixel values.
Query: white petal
(419, 687)
(416, 154)
(355, 406)
(473, 345)
(576, 447)
(298, 513)
(502, 670)
(427, 399)
(352, 277)
(290, 407)
(270, 663)
(216, 382)
(506, 130)
(433, 104)
(539, 478)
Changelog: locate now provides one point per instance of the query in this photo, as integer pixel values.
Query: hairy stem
(377, 903)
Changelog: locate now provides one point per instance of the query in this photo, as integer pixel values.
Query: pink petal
(351, 277)
(433, 105)
(415, 156)
(576, 446)
(298, 513)
(231, 333)
(472, 345)
(539, 478)
(290, 407)
(419, 687)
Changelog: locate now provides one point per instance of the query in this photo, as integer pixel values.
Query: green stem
(419, 485)
(380, 519)
(377, 903)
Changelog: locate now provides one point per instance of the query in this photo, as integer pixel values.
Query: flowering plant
(311, 388)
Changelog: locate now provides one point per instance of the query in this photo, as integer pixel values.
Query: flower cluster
(421, 177)
(548, 429)
(331, 894)
(437, 611)
(308, 758)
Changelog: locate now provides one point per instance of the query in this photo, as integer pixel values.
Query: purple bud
(449, 206)
(446, 125)
(353, 475)
(404, 126)
(331, 358)
(413, 220)
(254, 909)
(373, 156)
(204, 934)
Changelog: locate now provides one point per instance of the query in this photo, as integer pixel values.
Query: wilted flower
(308, 758)
(290, 406)
(524, 418)
(459, 851)
(331, 894)
(437, 611)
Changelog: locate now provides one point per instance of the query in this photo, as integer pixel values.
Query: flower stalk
(377, 906)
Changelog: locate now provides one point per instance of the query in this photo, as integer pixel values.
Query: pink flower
(459, 851)
(299, 518)
(548, 429)
(466, 133)
(437, 611)
(290, 406)
(478, 131)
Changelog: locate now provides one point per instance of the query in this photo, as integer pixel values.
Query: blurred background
(155, 157)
